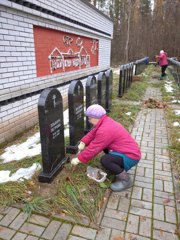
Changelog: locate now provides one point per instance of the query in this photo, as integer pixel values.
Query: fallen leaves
(137, 78)
(118, 238)
(131, 237)
(30, 183)
(177, 231)
(153, 103)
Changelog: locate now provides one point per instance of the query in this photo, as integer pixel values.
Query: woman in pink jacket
(163, 62)
(122, 151)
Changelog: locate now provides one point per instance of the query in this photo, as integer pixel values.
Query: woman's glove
(75, 161)
(81, 146)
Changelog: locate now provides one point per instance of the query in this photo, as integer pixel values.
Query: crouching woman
(122, 152)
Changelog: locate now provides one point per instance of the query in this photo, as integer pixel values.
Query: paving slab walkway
(148, 210)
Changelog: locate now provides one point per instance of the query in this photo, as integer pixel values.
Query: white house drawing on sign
(63, 60)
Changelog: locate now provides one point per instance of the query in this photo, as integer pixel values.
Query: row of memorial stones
(127, 71)
(51, 122)
(125, 78)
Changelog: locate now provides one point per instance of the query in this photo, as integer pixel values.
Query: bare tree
(142, 31)
(126, 50)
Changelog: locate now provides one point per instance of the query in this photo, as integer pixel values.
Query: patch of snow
(177, 112)
(175, 101)
(176, 124)
(116, 72)
(29, 148)
(66, 116)
(21, 173)
(168, 86)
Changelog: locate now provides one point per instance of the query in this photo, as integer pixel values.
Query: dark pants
(113, 163)
(163, 69)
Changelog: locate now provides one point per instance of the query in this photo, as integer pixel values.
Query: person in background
(163, 62)
(122, 152)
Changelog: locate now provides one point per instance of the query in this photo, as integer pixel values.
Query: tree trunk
(128, 32)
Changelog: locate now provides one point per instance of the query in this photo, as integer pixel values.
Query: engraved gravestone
(128, 73)
(50, 110)
(109, 79)
(127, 76)
(131, 73)
(76, 115)
(102, 89)
(91, 96)
(124, 78)
(135, 68)
(121, 79)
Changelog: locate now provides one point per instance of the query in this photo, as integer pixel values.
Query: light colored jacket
(163, 59)
(111, 135)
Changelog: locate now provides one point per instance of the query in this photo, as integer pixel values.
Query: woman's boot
(122, 182)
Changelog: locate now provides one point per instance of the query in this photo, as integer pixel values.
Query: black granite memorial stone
(76, 115)
(127, 76)
(129, 72)
(50, 110)
(109, 80)
(135, 69)
(121, 80)
(102, 89)
(124, 78)
(91, 96)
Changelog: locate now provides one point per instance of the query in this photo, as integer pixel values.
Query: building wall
(20, 87)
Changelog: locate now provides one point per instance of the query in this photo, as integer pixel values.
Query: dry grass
(174, 141)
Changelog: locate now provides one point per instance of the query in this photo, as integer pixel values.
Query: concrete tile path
(146, 211)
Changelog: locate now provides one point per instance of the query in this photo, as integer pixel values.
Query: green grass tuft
(35, 204)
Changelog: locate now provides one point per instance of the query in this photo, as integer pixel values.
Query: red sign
(58, 52)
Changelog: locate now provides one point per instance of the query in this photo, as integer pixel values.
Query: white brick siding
(17, 55)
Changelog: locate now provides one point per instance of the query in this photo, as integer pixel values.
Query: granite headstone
(50, 110)
(91, 96)
(102, 89)
(124, 78)
(121, 80)
(129, 75)
(109, 80)
(76, 115)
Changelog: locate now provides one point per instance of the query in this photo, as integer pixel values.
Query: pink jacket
(163, 59)
(111, 135)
